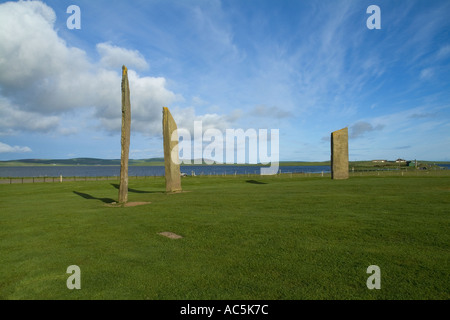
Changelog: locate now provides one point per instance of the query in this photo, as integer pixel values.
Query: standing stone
(125, 139)
(339, 154)
(171, 160)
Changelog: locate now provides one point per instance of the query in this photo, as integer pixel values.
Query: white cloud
(115, 57)
(33, 56)
(42, 78)
(186, 117)
(4, 148)
(12, 119)
(147, 97)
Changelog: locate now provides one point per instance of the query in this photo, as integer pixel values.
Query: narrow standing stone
(125, 139)
(171, 159)
(339, 154)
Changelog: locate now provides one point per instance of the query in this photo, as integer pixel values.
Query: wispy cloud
(422, 115)
(443, 52)
(114, 57)
(270, 112)
(5, 148)
(360, 128)
(427, 73)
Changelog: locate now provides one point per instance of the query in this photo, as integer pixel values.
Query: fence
(352, 173)
(60, 179)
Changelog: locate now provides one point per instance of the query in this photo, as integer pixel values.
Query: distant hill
(116, 162)
(160, 162)
(81, 162)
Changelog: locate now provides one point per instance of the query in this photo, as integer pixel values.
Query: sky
(304, 67)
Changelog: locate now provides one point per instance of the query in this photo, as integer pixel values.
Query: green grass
(272, 237)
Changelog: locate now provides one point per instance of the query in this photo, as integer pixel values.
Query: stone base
(127, 204)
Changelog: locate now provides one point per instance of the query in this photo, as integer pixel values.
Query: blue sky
(305, 67)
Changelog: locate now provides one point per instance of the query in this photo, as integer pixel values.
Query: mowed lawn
(271, 237)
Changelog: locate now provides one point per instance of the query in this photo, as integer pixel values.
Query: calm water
(110, 171)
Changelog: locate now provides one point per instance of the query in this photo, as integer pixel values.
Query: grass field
(273, 237)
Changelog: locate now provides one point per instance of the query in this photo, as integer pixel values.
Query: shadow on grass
(115, 185)
(88, 196)
(255, 182)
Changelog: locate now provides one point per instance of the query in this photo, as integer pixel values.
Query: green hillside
(81, 162)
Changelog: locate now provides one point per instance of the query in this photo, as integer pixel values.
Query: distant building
(379, 161)
(400, 161)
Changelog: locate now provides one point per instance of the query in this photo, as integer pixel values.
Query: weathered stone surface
(171, 160)
(170, 235)
(125, 139)
(339, 154)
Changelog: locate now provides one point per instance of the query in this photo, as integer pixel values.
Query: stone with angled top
(171, 158)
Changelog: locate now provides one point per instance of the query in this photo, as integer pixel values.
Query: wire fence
(281, 174)
(61, 179)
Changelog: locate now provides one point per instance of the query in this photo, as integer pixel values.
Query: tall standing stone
(171, 159)
(125, 139)
(339, 154)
